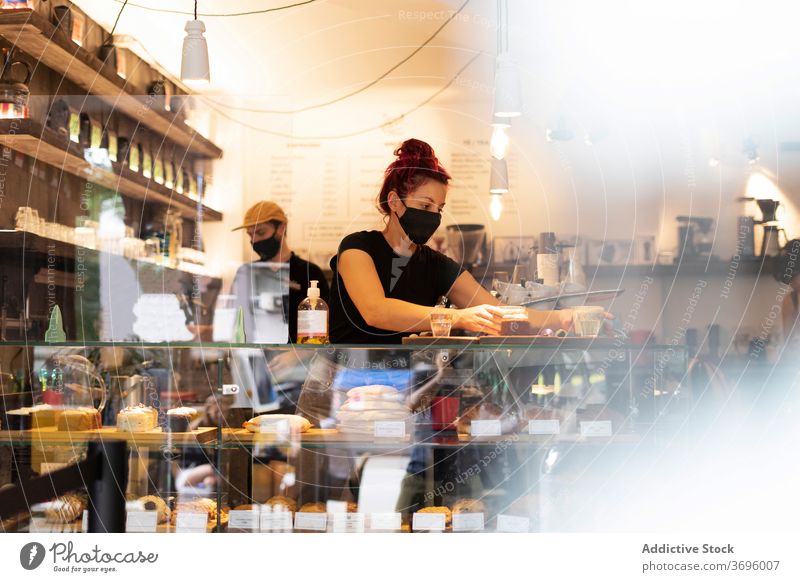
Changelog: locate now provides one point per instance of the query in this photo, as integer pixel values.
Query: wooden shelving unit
(26, 242)
(33, 34)
(32, 139)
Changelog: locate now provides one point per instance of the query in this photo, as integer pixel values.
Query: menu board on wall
(329, 188)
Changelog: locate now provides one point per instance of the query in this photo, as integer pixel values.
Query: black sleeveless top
(421, 279)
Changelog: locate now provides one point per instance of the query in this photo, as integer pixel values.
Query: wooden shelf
(50, 147)
(52, 436)
(27, 242)
(36, 36)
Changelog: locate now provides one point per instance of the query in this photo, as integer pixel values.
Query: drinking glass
(441, 323)
(588, 320)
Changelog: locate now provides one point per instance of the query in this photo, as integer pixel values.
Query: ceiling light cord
(502, 25)
(388, 123)
(388, 72)
(212, 15)
(119, 14)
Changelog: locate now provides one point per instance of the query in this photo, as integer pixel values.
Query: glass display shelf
(380, 432)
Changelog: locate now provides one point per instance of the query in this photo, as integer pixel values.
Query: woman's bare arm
(361, 280)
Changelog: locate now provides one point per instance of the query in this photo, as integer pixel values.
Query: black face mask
(267, 248)
(419, 225)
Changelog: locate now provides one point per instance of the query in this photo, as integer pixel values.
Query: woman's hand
(481, 318)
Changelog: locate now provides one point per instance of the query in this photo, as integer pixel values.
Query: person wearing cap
(265, 223)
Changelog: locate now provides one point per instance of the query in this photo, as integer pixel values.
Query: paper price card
(428, 522)
(348, 523)
(308, 521)
(280, 521)
(141, 522)
(41, 525)
(485, 428)
(191, 522)
(280, 427)
(85, 521)
(385, 521)
(390, 429)
(468, 522)
(246, 519)
(334, 506)
(596, 428)
(513, 524)
(544, 427)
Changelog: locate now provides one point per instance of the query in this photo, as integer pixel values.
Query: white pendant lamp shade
(194, 65)
(498, 180)
(507, 88)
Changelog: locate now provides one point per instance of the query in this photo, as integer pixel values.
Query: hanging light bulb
(194, 64)
(498, 179)
(496, 206)
(498, 146)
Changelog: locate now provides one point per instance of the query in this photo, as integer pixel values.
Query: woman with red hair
(386, 283)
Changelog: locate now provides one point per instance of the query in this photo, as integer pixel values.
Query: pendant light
(507, 89)
(194, 64)
(498, 180)
(498, 185)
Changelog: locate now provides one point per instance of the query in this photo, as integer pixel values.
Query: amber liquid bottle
(312, 318)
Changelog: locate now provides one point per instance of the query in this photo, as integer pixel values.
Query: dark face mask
(419, 225)
(267, 248)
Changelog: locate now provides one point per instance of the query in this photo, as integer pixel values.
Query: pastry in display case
(270, 423)
(457, 439)
(139, 418)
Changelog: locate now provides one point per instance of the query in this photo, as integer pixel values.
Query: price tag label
(596, 428)
(513, 524)
(546, 427)
(308, 521)
(390, 429)
(428, 522)
(485, 428)
(191, 522)
(85, 521)
(141, 522)
(385, 521)
(279, 521)
(468, 522)
(247, 519)
(334, 506)
(41, 525)
(348, 523)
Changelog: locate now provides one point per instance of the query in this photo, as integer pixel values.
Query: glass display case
(453, 435)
